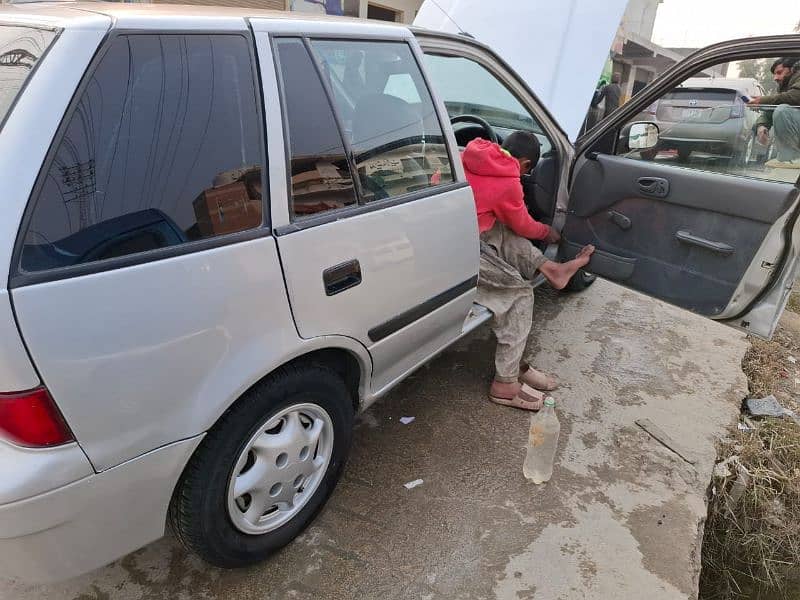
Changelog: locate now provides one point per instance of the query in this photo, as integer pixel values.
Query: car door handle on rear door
(657, 187)
(718, 247)
(341, 277)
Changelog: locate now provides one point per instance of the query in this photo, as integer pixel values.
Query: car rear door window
(162, 148)
(388, 117)
(320, 172)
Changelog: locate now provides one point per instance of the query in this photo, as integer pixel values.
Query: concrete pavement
(622, 517)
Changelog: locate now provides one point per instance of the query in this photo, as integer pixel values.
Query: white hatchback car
(225, 232)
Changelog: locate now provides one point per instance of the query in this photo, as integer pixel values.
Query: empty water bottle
(542, 443)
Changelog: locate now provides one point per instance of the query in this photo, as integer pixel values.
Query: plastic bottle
(542, 443)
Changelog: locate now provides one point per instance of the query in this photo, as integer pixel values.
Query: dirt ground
(621, 518)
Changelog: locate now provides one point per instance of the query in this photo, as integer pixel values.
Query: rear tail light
(651, 110)
(31, 419)
(737, 110)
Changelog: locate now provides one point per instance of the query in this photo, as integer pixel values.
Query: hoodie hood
(487, 159)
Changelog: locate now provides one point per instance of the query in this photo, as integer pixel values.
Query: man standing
(785, 118)
(612, 93)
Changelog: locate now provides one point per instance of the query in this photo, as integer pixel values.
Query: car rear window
(20, 49)
(715, 95)
(162, 148)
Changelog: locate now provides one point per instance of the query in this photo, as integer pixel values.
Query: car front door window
(709, 123)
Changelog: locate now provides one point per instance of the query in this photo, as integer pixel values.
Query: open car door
(684, 204)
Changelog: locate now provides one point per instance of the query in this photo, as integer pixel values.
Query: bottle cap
(550, 401)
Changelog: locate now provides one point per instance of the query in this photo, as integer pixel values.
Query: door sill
(478, 315)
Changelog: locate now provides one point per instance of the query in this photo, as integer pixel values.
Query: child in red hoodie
(509, 262)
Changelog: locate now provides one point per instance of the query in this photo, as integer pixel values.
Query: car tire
(203, 512)
(580, 281)
(684, 154)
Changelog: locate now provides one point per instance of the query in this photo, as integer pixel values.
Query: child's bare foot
(559, 274)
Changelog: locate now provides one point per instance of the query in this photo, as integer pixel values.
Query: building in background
(634, 55)
(399, 11)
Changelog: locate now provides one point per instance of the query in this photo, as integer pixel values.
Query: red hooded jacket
(494, 177)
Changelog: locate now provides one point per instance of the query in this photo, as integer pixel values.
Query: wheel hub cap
(280, 468)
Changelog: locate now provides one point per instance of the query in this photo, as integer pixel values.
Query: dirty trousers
(508, 265)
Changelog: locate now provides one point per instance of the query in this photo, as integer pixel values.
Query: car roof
(69, 14)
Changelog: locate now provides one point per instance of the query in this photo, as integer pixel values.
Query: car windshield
(469, 89)
(20, 50)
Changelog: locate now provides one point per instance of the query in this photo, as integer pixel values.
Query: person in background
(784, 120)
(509, 262)
(611, 93)
(595, 112)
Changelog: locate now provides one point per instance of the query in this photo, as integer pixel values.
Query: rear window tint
(163, 148)
(20, 50)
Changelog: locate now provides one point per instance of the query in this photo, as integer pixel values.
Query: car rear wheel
(265, 470)
(684, 154)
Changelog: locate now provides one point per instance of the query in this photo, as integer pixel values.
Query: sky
(698, 23)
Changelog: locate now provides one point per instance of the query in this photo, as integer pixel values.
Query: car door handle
(658, 187)
(341, 277)
(718, 247)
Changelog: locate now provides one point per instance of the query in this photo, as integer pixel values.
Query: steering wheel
(488, 129)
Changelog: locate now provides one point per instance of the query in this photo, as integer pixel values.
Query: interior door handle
(657, 187)
(341, 277)
(718, 247)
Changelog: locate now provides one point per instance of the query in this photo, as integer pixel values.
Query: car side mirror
(643, 136)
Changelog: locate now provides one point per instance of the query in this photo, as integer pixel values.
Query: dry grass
(765, 366)
(751, 547)
(752, 542)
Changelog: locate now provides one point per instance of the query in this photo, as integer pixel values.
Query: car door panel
(400, 250)
(617, 177)
(404, 263)
(690, 247)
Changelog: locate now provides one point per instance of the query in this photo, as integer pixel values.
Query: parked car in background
(227, 231)
(709, 115)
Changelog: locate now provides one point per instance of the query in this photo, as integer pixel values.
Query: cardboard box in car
(226, 209)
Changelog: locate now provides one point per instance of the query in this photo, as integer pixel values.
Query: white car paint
(143, 358)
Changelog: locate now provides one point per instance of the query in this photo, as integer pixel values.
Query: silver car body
(139, 402)
(142, 360)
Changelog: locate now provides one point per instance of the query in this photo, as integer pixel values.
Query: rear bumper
(730, 133)
(91, 522)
